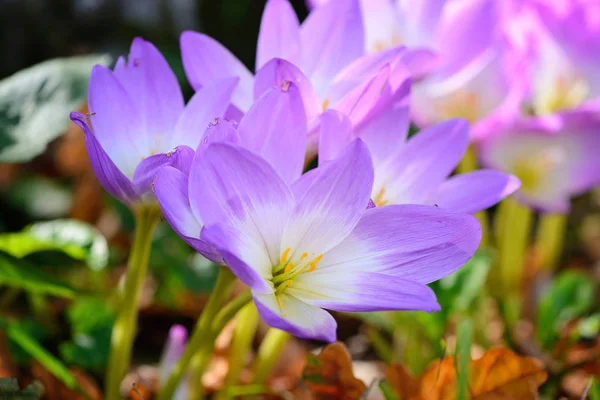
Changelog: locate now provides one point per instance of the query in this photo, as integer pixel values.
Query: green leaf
(594, 392)
(27, 343)
(76, 239)
(570, 296)
(91, 325)
(35, 104)
(463, 357)
(387, 390)
(457, 292)
(26, 276)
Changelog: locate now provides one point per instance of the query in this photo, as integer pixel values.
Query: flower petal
(475, 191)
(279, 34)
(296, 317)
(416, 171)
(336, 133)
(171, 190)
(332, 37)
(413, 242)
(242, 192)
(360, 101)
(356, 291)
(117, 124)
(205, 60)
(180, 158)
(109, 175)
(332, 205)
(210, 102)
(219, 130)
(275, 127)
(154, 90)
(274, 72)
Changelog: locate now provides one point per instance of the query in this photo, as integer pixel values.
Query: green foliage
(31, 346)
(463, 357)
(570, 296)
(91, 324)
(594, 392)
(76, 239)
(35, 103)
(23, 275)
(388, 391)
(9, 390)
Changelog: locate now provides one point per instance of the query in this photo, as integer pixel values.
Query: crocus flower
(416, 171)
(275, 128)
(323, 56)
(555, 158)
(140, 122)
(172, 352)
(313, 245)
(564, 69)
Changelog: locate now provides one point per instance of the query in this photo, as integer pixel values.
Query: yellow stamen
(284, 256)
(304, 255)
(288, 268)
(289, 283)
(313, 264)
(325, 104)
(153, 152)
(380, 198)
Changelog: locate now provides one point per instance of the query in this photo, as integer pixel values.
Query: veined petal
(357, 104)
(475, 191)
(296, 317)
(205, 60)
(180, 158)
(336, 133)
(332, 37)
(413, 242)
(357, 291)
(332, 205)
(361, 70)
(421, 62)
(241, 192)
(117, 124)
(279, 34)
(109, 175)
(154, 90)
(171, 190)
(416, 171)
(275, 128)
(210, 102)
(277, 70)
(385, 128)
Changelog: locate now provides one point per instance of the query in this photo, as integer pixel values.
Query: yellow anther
(288, 268)
(289, 283)
(325, 104)
(284, 256)
(285, 86)
(380, 199)
(153, 152)
(304, 255)
(313, 264)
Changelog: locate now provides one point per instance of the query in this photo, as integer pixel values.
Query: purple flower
(564, 67)
(555, 157)
(313, 245)
(323, 57)
(417, 171)
(140, 122)
(275, 128)
(172, 352)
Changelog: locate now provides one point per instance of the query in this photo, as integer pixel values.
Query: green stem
(202, 338)
(550, 239)
(469, 161)
(268, 352)
(245, 330)
(124, 330)
(515, 229)
(381, 345)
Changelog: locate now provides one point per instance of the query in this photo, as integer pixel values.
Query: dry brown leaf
(499, 375)
(329, 375)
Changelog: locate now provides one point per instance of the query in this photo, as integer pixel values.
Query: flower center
(380, 199)
(287, 270)
(463, 104)
(566, 92)
(532, 170)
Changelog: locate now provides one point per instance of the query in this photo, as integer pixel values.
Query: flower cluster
(381, 216)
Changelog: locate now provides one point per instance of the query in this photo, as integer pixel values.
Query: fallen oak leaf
(329, 375)
(403, 382)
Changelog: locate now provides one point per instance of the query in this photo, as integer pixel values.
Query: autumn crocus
(313, 245)
(137, 124)
(564, 63)
(417, 170)
(138, 121)
(172, 351)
